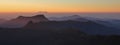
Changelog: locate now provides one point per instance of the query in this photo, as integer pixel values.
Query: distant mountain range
(59, 33)
(88, 25)
(71, 30)
(21, 21)
(113, 23)
(65, 18)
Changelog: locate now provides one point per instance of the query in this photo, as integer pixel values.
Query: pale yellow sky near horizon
(60, 5)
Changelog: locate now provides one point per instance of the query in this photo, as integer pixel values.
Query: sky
(60, 5)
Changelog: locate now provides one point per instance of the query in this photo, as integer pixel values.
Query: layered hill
(38, 30)
(65, 18)
(87, 27)
(21, 21)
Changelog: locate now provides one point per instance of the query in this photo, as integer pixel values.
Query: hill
(22, 21)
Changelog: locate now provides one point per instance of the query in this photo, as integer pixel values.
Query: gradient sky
(60, 5)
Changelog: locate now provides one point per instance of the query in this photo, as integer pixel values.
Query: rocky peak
(39, 15)
(38, 18)
(20, 17)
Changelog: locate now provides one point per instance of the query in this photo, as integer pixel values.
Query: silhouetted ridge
(20, 17)
(36, 18)
(73, 18)
(40, 15)
(22, 20)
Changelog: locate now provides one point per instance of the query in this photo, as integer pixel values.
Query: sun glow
(59, 5)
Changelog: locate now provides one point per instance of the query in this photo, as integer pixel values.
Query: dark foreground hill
(68, 36)
(59, 33)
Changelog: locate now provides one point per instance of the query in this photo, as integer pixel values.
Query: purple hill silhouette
(21, 21)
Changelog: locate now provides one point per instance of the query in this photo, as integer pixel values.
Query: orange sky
(60, 5)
